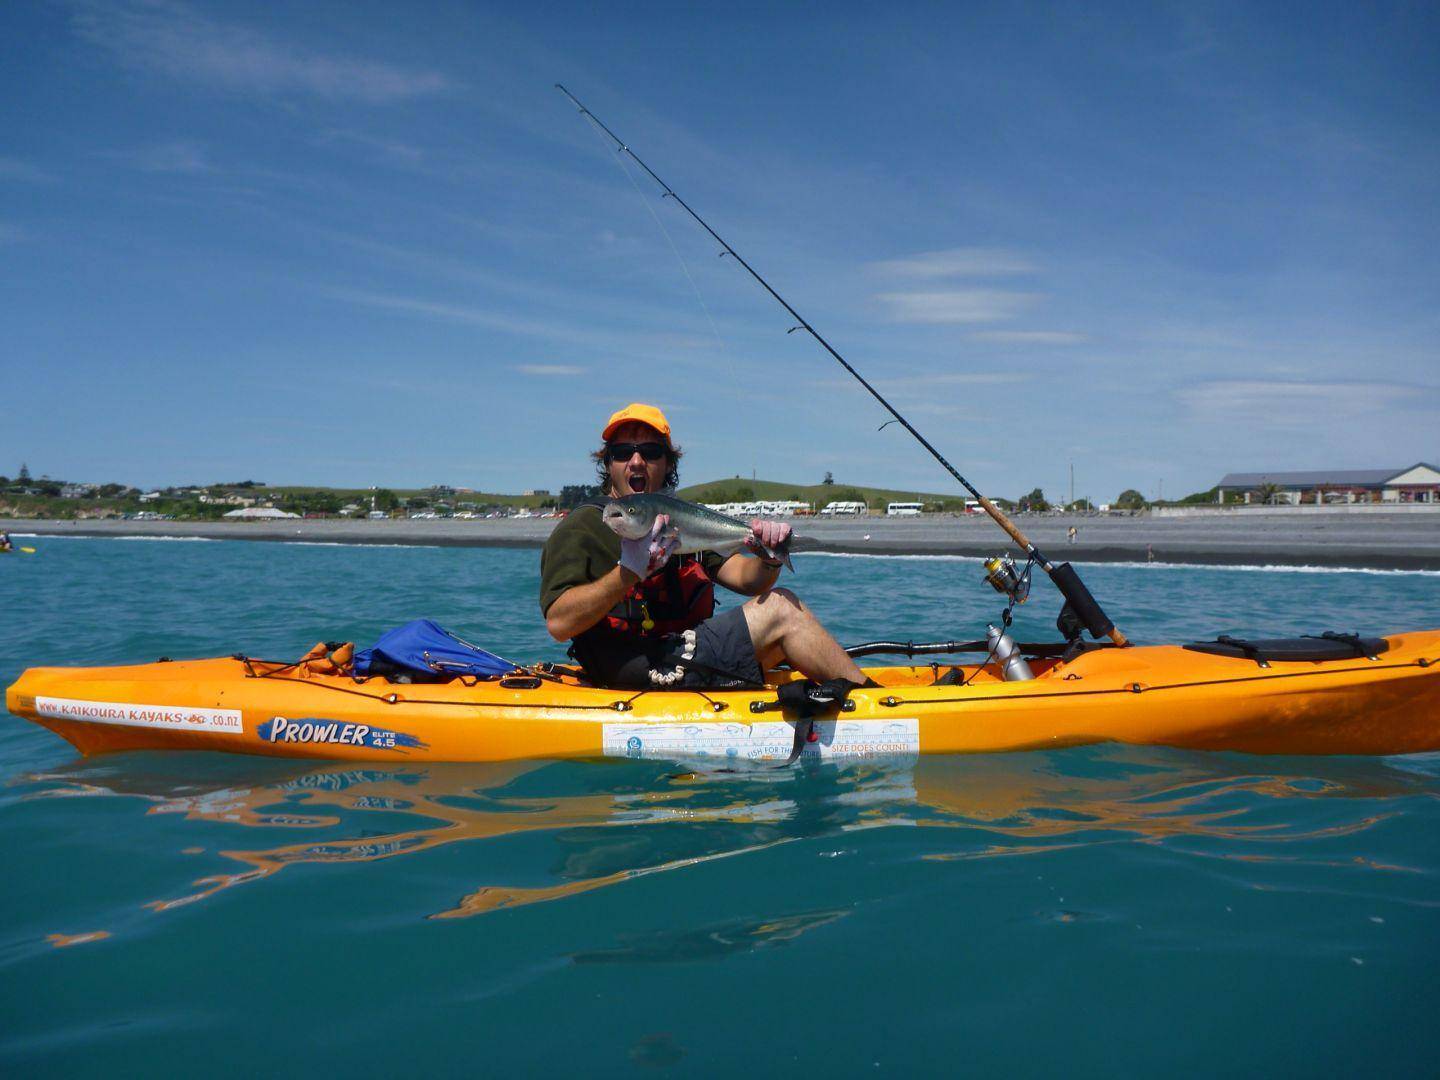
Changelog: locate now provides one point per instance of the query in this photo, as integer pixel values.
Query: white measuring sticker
(768, 740)
(172, 717)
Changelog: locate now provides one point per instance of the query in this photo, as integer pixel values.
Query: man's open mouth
(637, 483)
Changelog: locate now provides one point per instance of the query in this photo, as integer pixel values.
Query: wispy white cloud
(1029, 337)
(672, 346)
(391, 150)
(943, 410)
(957, 378)
(550, 369)
(173, 38)
(17, 169)
(479, 276)
(1295, 403)
(956, 306)
(957, 262)
(171, 157)
(460, 313)
(930, 384)
(965, 305)
(1209, 337)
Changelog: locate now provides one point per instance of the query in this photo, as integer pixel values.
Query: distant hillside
(740, 490)
(212, 502)
(362, 495)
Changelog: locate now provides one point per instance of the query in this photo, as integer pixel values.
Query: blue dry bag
(427, 650)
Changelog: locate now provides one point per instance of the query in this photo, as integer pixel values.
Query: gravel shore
(1376, 541)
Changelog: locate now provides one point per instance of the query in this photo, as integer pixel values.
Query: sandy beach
(1398, 541)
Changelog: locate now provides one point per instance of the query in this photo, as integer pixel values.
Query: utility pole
(1072, 484)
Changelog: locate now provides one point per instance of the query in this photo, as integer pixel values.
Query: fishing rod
(1077, 596)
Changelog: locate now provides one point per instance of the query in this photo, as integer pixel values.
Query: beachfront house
(1418, 483)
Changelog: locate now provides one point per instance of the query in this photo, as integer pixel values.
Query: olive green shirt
(583, 549)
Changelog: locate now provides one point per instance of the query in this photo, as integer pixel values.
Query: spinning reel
(1002, 576)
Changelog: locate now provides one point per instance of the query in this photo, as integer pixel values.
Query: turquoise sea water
(1086, 912)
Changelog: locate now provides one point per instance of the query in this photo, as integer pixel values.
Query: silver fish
(700, 528)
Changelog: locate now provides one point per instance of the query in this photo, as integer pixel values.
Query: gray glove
(644, 556)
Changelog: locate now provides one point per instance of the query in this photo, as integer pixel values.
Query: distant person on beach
(1070, 534)
(1149, 553)
(637, 615)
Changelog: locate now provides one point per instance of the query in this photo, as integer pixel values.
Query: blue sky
(333, 243)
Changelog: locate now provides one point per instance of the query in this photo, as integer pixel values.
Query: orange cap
(644, 414)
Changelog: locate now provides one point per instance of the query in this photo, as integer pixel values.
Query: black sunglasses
(624, 451)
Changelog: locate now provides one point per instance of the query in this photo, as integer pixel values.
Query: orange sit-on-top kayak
(1299, 696)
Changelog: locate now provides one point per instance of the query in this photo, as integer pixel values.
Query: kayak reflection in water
(658, 822)
(639, 615)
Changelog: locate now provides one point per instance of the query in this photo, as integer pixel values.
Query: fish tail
(782, 552)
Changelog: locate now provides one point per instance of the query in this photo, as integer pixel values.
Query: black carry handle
(807, 698)
(1081, 602)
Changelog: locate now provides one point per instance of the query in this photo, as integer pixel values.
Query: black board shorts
(723, 658)
(724, 654)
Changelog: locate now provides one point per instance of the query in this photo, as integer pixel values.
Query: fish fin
(782, 554)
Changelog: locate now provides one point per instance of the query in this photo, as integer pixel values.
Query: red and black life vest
(679, 596)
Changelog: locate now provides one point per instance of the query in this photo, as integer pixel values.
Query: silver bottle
(1002, 648)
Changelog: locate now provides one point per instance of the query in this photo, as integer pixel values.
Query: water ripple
(609, 916)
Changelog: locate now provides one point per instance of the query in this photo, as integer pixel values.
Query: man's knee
(771, 614)
(788, 598)
(777, 606)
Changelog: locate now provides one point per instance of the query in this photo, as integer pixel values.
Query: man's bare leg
(783, 628)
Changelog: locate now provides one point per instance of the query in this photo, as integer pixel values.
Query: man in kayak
(634, 612)
(5, 544)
